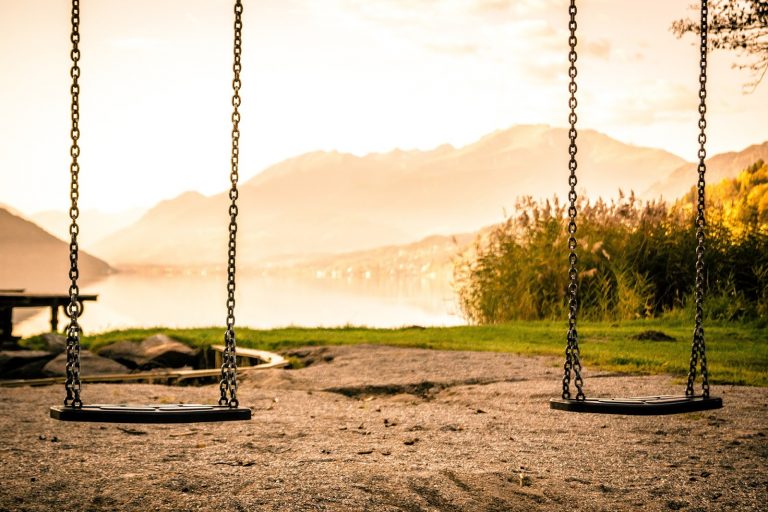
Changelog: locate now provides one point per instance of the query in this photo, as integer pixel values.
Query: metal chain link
(228, 383)
(698, 349)
(72, 382)
(572, 360)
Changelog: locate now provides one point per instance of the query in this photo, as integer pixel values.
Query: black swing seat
(641, 405)
(163, 413)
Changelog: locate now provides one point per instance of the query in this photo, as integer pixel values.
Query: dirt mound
(652, 335)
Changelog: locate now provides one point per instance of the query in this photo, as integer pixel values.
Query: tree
(736, 25)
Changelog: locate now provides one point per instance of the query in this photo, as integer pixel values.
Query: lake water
(142, 300)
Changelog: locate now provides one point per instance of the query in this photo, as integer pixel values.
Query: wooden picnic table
(10, 299)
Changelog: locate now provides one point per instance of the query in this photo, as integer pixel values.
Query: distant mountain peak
(35, 260)
(719, 167)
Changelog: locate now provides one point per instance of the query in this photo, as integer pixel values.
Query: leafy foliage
(738, 25)
(636, 260)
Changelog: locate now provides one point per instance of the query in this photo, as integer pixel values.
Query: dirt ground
(387, 429)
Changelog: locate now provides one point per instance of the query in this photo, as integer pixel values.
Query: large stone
(90, 364)
(163, 352)
(11, 360)
(33, 370)
(54, 342)
(158, 351)
(128, 353)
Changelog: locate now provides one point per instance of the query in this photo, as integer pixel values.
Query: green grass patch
(737, 352)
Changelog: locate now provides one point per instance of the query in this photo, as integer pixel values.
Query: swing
(228, 408)
(650, 405)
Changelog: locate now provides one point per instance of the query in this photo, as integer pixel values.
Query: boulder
(33, 370)
(54, 342)
(158, 351)
(11, 360)
(90, 364)
(127, 353)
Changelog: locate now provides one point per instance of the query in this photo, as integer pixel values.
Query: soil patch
(388, 429)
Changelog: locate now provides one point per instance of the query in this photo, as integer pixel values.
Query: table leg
(6, 324)
(54, 318)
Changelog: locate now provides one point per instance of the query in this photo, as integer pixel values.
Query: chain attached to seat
(228, 383)
(698, 349)
(72, 382)
(572, 360)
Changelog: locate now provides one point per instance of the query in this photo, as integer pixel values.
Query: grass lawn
(737, 353)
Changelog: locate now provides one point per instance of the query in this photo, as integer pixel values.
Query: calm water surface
(141, 300)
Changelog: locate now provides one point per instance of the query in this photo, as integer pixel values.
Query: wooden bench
(10, 299)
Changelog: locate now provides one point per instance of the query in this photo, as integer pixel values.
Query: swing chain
(228, 383)
(572, 360)
(73, 309)
(698, 349)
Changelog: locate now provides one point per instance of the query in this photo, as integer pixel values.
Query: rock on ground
(90, 364)
(23, 364)
(388, 429)
(157, 351)
(54, 342)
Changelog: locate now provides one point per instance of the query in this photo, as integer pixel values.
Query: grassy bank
(737, 352)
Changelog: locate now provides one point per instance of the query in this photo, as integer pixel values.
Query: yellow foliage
(741, 203)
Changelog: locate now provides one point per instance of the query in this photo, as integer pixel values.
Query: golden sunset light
(383, 255)
(343, 75)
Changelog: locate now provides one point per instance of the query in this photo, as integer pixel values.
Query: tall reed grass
(636, 260)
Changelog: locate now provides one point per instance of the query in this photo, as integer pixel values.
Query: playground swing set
(228, 407)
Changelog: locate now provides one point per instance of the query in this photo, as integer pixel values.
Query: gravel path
(388, 429)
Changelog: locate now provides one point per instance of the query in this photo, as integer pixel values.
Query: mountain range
(325, 203)
(94, 224)
(719, 167)
(320, 205)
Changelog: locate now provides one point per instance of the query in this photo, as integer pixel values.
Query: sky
(357, 76)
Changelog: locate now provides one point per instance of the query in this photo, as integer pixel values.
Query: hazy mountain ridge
(94, 224)
(719, 167)
(35, 260)
(329, 202)
(327, 212)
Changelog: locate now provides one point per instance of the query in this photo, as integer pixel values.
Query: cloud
(454, 48)
(658, 100)
(547, 71)
(600, 48)
(524, 8)
(135, 43)
(498, 32)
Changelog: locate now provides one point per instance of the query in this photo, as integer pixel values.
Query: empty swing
(650, 405)
(228, 408)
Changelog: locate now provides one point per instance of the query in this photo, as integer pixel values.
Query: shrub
(635, 259)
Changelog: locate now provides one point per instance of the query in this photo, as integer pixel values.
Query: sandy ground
(386, 429)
